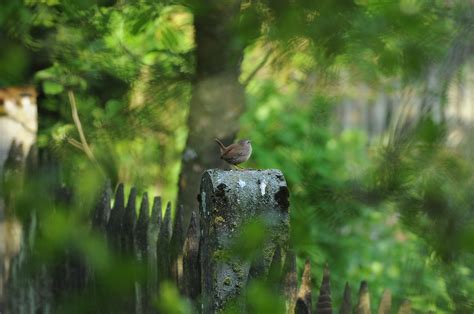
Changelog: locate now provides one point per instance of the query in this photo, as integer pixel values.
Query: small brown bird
(236, 153)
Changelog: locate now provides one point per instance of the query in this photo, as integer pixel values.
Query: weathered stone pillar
(18, 125)
(228, 201)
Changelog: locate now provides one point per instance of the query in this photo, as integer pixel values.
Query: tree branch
(257, 68)
(84, 145)
(75, 143)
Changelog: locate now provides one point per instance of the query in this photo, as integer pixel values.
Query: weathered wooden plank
(324, 305)
(290, 281)
(141, 230)
(11, 178)
(301, 307)
(20, 281)
(304, 293)
(163, 245)
(363, 306)
(154, 226)
(191, 266)
(114, 225)
(385, 306)
(129, 221)
(176, 248)
(15, 156)
(405, 308)
(45, 291)
(101, 211)
(346, 305)
(32, 161)
(141, 250)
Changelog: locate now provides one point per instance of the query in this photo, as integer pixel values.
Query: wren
(236, 153)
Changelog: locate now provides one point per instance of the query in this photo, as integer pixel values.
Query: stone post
(229, 200)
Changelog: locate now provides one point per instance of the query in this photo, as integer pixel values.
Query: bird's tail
(222, 147)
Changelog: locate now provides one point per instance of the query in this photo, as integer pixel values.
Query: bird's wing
(228, 150)
(232, 150)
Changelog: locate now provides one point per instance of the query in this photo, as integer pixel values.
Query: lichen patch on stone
(263, 185)
(203, 200)
(219, 220)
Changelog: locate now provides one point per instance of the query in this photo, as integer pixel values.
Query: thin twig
(75, 116)
(258, 67)
(75, 143)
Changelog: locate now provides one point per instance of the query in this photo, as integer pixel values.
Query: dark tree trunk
(218, 97)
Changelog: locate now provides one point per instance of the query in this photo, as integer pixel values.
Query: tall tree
(218, 98)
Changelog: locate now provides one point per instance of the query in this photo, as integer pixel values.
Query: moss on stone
(220, 255)
(219, 220)
(238, 270)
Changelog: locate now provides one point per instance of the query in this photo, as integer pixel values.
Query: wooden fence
(164, 250)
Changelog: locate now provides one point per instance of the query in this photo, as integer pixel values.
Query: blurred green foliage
(169, 300)
(398, 215)
(329, 223)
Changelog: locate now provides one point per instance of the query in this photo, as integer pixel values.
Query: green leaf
(52, 88)
(48, 73)
(113, 107)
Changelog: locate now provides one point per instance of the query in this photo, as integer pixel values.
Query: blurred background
(366, 106)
